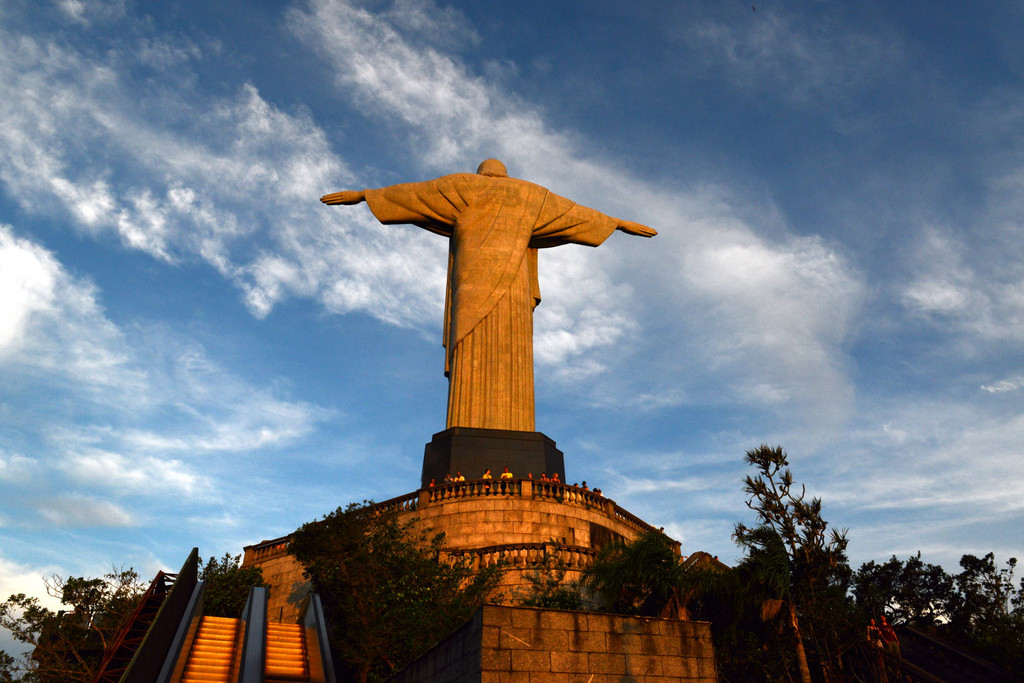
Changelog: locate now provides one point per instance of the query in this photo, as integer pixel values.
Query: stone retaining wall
(519, 644)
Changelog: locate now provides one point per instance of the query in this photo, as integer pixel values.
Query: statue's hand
(636, 229)
(344, 197)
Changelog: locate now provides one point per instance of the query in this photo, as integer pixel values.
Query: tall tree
(979, 609)
(990, 614)
(912, 592)
(818, 569)
(390, 592)
(227, 585)
(67, 645)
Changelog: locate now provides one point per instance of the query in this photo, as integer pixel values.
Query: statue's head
(493, 168)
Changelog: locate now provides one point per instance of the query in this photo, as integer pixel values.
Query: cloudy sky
(195, 352)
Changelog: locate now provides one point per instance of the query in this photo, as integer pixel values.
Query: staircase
(927, 658)
(120, 652)
(213, 651)
(286, 654)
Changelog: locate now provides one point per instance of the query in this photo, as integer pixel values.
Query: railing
(938, 659)
(475, 488)
(447, 492)
(519, 488)
(406, 503)
(531, 488)
(161, 639)
(251, 641)
(266, 550)
(631, 520)
(527, 556)
(318, 648)
(571, 495)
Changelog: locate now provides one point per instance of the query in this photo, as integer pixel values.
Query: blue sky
(195, 351)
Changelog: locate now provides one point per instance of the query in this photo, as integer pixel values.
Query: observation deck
(524, 525)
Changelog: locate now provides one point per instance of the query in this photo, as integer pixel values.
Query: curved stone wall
(479, 514)
(525, 525)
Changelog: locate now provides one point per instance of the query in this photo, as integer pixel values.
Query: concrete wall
(517, 644)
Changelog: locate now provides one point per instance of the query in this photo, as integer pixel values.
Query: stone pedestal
(471, 451)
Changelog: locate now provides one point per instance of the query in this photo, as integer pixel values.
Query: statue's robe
(495, 226)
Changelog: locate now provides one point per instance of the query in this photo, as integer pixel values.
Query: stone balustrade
(527, 556)
(522, 488)
(266, 550)
(469, 489)
(449, 492)
(406, 503)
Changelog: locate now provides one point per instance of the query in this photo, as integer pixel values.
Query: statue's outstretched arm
(632, 228)
(344, 197)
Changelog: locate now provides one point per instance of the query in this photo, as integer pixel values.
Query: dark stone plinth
(471, 451)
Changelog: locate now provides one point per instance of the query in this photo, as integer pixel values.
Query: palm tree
(767, 568)
(642, 577)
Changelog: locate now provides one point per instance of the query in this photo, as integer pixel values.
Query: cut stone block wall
(281, 571)
(511, 644)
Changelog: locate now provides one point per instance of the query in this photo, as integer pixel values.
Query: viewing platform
(524, 525)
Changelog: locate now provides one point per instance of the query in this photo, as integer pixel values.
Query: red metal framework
(119, 655)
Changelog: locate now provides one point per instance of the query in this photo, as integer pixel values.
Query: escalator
(249, 649)
(286, 654)
(212, 657)
(171, 640)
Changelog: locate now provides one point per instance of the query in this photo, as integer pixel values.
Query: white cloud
(454, 118)
(88, 11)
(51, 322)
(15, 578)
(181, 186)
(585, 312)
(67, 340)
(891, 464)
(180, 175)
(26, 285)
(982, 302)
(78, 512)
(945, 285)
(1009, 384)
(138, 474)
(776, 53)
(15, 468)
(137, 412)
(631, 486)
(19, 578)
(769, 320)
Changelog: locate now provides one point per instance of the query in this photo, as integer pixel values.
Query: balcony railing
(457, 491)
(527, 556)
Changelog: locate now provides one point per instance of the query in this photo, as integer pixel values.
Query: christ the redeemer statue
(495, 224)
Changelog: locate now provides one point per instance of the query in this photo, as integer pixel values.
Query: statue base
(471, 451)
